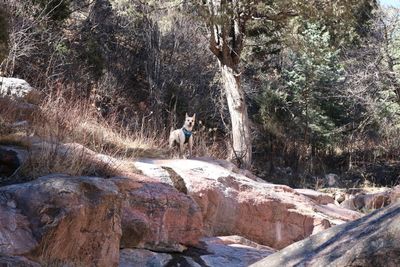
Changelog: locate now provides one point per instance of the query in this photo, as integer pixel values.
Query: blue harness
(187, 133)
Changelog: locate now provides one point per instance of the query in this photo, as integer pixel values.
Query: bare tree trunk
(227, 24)
(241, 138)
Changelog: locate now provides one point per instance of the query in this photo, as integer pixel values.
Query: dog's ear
(194, 116)
(186, 115)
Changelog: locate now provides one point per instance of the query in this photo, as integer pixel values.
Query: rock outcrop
(369, 241)
(85, 220)
(367, 202)
(156, 216)
(233, 204)
(59, 219)
(72, 220)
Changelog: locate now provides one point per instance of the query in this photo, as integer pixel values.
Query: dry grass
(206, 143)
(57, 121)
(78, 122)
(46, 158)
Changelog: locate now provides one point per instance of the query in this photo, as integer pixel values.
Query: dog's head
(189, 121)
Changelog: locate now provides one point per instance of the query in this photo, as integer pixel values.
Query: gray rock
(15, 234)
(143, 258)
(16, 261)
(14, 87)
(331, 180)
(372, 240)
(224, 251)
(233, 251)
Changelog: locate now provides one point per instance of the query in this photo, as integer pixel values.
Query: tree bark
(227, 27)
(241, 139)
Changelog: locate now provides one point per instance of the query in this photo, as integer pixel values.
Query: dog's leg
(190, 144)
(181, 139)
(181, 150)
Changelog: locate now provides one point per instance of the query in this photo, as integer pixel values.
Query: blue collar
(186, 132)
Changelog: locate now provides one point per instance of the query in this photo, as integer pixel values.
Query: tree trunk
(241, 139)
(227, 24)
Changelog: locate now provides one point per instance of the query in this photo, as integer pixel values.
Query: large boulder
(233, 204)
(60, 219)
(156, 216)
(80, 220)
(14, 87)
(372, 241)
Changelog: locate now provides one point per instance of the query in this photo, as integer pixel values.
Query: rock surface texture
(232, 251)
(362, 200)
(233, 204)
(17, 261)
(156, 216)
(62, 219)
(370, 241)
(167, 217)
(85, 220)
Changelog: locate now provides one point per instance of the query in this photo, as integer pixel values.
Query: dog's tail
(172, 128)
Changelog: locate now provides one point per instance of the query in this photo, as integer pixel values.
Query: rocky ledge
(196, 212)
(234, 204)
(369, 241)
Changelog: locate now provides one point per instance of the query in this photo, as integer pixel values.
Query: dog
(183, 135)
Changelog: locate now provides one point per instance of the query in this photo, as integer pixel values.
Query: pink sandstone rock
(73, 220)
(156, 216)
(233, 204)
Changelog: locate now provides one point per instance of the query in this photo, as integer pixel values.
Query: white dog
(183, 135)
